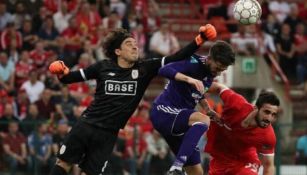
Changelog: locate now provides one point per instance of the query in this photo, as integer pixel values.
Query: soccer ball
(247, 11)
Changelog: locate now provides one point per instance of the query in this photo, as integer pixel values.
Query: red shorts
(218, 167)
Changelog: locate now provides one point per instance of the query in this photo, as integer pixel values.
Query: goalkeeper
(121, 83)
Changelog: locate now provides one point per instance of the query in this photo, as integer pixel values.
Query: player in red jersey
(241, 133)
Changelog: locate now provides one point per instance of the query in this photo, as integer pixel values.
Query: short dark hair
(113, 41)
(222, 52)
(267, 97)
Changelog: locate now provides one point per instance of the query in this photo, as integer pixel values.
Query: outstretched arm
(66, 76)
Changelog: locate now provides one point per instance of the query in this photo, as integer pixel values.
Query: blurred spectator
(32, 6)
(46, 105)
(280, 9)
(136, 151)
(58, 137)
(65, 105)
(163, 42)
(112, 21)
(28, 35)
(244, 41)
(141, 120)
(157, 153)
(8, 116)
(62, 16)
(267, 45)
(80, 90)
(21, 105)
(88, 52)
(96, 41)
(6, 73)
(140, 37)
(301, 54)
(40, 57)
(85, 102)
(39, 143)
(32, 120)
(48, 32)
(22, 69)
(20, 15)
(265, 9)
(151, 18)
(119, 6)
(5, 17)
(33, 86)
(116, 161)
(87, 20)
(10, 33)
(301, 150)
(286, 49)
(40, 17)
(271, 26)
(13, 52)
(302, 6)
(292, 18)
(14, 146)
(4, 99)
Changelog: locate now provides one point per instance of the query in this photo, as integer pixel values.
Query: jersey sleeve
(88, 73)
(267, 147)
(154, 64)
(232, 99)
(169, 71)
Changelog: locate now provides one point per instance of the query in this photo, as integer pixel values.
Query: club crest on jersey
(120, 87)
(135, 73)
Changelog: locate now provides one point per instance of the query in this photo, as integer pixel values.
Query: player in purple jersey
(173, 113)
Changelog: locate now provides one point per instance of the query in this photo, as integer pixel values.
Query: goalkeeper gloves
(206, 32)
(58, 68)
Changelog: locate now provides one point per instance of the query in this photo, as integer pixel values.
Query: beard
(262, 123)
(207, 70)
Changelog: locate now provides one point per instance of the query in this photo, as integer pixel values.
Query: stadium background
(34, 103)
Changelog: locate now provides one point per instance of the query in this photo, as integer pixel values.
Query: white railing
(291, 170)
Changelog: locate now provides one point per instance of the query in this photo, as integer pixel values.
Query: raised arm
(206, 32)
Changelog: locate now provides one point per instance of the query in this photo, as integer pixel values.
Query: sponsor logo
(120, 87)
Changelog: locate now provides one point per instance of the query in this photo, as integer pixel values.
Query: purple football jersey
(180, 94)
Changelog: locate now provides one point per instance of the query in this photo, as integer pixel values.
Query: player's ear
(117, 51)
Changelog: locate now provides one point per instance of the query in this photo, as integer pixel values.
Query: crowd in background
(36, 110)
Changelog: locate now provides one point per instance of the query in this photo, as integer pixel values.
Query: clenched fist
(206, 32)
(58, 68)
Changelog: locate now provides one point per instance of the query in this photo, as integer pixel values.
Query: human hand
(58, 68)
(207, 32)
(199, 86)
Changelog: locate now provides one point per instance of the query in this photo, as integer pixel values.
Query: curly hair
(113, 41)
(222, 52)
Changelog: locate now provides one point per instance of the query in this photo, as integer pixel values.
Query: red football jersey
(231, 141)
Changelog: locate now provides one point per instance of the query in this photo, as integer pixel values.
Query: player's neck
(124, 64)
(250, 120)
